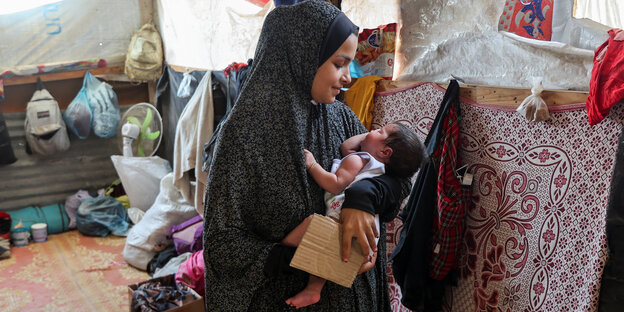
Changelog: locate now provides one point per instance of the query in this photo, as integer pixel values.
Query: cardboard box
(319, 252)
(195, 305)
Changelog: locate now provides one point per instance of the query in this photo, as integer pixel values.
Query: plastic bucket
(20, 237)
(39, 232)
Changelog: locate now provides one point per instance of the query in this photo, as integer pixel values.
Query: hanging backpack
(45, 129)
(7, 156)
(145, 55)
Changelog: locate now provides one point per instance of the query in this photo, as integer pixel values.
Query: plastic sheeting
(213, 34)
(582, 33)
(208, 34)
(441, 39)
(71, 30)
(608, 12)
(371, 13)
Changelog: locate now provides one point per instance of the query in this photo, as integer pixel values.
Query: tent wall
(68, 31)
(442, 39)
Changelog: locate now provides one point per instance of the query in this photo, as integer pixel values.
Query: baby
(393, 149)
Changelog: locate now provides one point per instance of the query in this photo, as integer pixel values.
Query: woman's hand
(361, 225)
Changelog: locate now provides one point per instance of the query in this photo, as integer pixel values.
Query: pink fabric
(191, 272)
(535, 237)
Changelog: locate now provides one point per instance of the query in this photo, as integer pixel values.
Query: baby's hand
(309, 159)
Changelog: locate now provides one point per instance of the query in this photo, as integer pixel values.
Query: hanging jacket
(453, 199)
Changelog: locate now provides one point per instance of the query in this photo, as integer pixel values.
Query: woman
(258, 189)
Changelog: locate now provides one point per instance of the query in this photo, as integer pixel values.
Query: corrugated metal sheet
(37, 180)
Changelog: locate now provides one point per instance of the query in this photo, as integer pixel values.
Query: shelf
(20, 80)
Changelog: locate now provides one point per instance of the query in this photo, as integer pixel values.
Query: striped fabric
(453, 200)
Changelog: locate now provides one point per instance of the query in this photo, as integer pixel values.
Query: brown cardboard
(196, 305)
(319, 252)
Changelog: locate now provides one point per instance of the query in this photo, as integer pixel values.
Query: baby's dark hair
(408, 153)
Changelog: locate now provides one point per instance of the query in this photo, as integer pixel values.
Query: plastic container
(39, 232)
(20, 236)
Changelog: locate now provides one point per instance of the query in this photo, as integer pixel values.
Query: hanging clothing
(360, 98)
(612, 285)
(171, 106)
(606, 87)
(193, 129)
(259, 158)
(412, 257)
(453, 198)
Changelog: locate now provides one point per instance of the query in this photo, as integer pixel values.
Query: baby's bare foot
(304, 298)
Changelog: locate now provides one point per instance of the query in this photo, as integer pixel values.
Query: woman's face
(334, 73)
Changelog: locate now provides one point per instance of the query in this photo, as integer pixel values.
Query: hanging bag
(145, 55)
(44, 127)
(7, 156)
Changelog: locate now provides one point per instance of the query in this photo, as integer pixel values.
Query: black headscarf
(339, 30)
(258, 189)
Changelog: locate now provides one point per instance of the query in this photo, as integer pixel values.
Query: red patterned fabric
(535, 234)
(606, 87)
(452, 200)
(528, 18)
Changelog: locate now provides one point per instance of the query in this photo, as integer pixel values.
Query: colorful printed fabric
(535, 233)
(453, 200)
(53, 68)
(528, 18)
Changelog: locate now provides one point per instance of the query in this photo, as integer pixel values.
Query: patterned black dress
(258, 189)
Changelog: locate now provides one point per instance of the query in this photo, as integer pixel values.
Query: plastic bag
(149, 236)
(105, 106)
(140, 177)
(533, 107)
(100, 216)
(78, 115)
(96, 106)
(72, 202)
(375, 52)
(186, 89)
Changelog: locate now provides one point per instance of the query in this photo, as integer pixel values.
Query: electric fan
(140, 130)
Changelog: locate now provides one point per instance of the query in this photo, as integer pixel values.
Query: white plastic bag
(186, 89)
(533, 107)
(149, 235)
(140, 177)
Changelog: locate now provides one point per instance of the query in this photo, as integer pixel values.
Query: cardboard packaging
(195, 305)
(319, 252)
